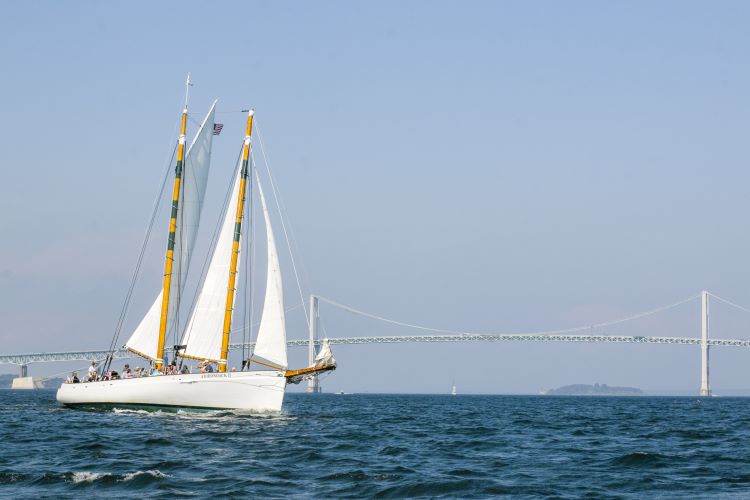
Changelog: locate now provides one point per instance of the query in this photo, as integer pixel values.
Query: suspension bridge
(439, 335)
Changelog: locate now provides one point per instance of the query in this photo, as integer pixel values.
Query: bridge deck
(27, 358)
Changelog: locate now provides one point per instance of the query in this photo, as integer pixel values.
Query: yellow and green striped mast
(236, 245)
(172, 231)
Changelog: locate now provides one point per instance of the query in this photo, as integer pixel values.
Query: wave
(12, 477)
(89, 477)
(155, 474)
(639, 459)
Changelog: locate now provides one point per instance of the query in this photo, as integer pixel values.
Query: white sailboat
(206, 336)
(453, 389)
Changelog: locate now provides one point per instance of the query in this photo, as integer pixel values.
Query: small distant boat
(206, 336)
(453, 390)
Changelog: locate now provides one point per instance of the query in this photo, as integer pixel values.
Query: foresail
(194, 182)
(143, 341)
(204, 329)
(271, 342)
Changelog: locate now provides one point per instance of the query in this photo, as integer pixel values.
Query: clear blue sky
(487, 166)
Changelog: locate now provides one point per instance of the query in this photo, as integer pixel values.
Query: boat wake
(88, 477)
(204, 414)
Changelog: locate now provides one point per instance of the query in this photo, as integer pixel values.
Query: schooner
(206, 334)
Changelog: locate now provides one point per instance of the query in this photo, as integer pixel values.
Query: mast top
(187, 91)
(249, 128)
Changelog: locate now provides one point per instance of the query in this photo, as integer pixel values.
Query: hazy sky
(486, 166)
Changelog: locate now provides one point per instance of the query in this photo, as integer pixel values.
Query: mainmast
(172, 230)
(236, 245)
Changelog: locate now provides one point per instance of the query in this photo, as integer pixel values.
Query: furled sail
(143, 341)
(271, 343)
(325, 356)
(203, 333)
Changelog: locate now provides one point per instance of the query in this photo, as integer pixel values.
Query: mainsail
(202, 336)
(143, 341)
(271, 343)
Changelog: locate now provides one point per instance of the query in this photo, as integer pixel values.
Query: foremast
(172, 231)
(239, 214)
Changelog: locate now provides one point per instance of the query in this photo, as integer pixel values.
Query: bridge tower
(313, 385)
(705, 387)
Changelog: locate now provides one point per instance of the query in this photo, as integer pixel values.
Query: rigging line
(193, 120)
(136, 270)
(244, 327)
(243, 257)
(291, 241)
(277, 196)
(246, 282)
(212, 249)
(253, 251)
(728, 302)
(180, 257)
(548, 332)
(322, 327)
(55, 375)
(175, 326)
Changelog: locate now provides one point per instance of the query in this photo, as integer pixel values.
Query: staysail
(271, 343)
(202, 336)
(143, 341)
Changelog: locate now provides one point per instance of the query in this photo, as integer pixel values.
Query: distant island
(593, 390)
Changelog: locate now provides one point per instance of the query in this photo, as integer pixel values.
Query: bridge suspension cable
(728, 302)
(546, 332)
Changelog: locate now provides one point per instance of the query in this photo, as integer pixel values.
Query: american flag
(217, 128)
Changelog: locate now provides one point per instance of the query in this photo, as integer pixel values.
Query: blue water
(386, 446)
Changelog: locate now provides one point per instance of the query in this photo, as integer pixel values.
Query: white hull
(255, 391)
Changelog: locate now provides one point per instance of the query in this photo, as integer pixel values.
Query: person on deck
(185, 370)
(92, 374)
(126, 373)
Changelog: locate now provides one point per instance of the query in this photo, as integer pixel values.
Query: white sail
(204, 329)
(144, 339)
(325, 355)
(271, 342)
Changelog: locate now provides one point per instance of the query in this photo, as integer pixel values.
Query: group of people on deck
(94, 374)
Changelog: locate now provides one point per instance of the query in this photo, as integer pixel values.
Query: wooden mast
(236, 245)
(172, 230)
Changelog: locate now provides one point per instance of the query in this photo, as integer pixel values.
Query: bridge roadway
(25, 359)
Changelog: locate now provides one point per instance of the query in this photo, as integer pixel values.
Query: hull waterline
(261, 391)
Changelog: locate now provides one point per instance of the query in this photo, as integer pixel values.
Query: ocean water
(382, 446)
